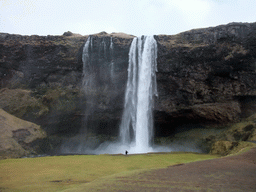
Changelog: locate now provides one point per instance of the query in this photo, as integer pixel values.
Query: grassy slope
(76, 172)
(124, 180)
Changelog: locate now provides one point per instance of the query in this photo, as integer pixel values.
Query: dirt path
(233, 173)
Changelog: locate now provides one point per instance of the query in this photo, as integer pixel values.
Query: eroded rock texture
(18, 137)
(205, 76)
(50, 68)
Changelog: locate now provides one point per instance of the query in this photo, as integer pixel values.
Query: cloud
(135, 17)
(192, 12)
(19, 9)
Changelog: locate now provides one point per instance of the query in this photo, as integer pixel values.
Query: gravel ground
(232, 173)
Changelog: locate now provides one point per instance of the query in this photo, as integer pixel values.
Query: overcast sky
(137, 17)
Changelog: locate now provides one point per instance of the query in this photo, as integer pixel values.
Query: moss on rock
(20, 103)
(222, 147)
(229, 148)
(233, 138)
(16, 136)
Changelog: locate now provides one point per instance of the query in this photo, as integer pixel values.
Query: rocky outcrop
(32, 61)
(18, 137)
(205, 76)
(221, 140)
(233, 138)
(50, 69)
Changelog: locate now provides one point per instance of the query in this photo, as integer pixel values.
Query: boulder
(222, 147)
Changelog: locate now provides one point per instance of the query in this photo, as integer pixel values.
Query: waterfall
(99, 86)
(137, 120)
(98, 76)
(85, 58)
(112, 59)
(88, 83)
(136, 127)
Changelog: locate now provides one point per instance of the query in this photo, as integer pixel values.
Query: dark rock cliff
(51, 68)
(205, 76)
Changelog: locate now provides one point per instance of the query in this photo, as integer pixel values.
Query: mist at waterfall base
(136, 126)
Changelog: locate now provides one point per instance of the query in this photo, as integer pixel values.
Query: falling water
(88, 83)
(136, 128)
(85, 59)
(112, 59)
(104, 46)
(137, 122)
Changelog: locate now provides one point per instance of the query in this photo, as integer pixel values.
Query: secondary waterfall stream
(101, 72)
(136, 128)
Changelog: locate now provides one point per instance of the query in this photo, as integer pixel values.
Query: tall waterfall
(101, 85)
(98, 81)
(87, 81)
(137, 121)
(112, 59)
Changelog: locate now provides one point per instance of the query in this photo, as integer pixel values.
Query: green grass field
(59, 173)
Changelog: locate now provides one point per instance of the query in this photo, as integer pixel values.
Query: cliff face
(51, 69)
(205, 76)
(46, 66)
(33, 60)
